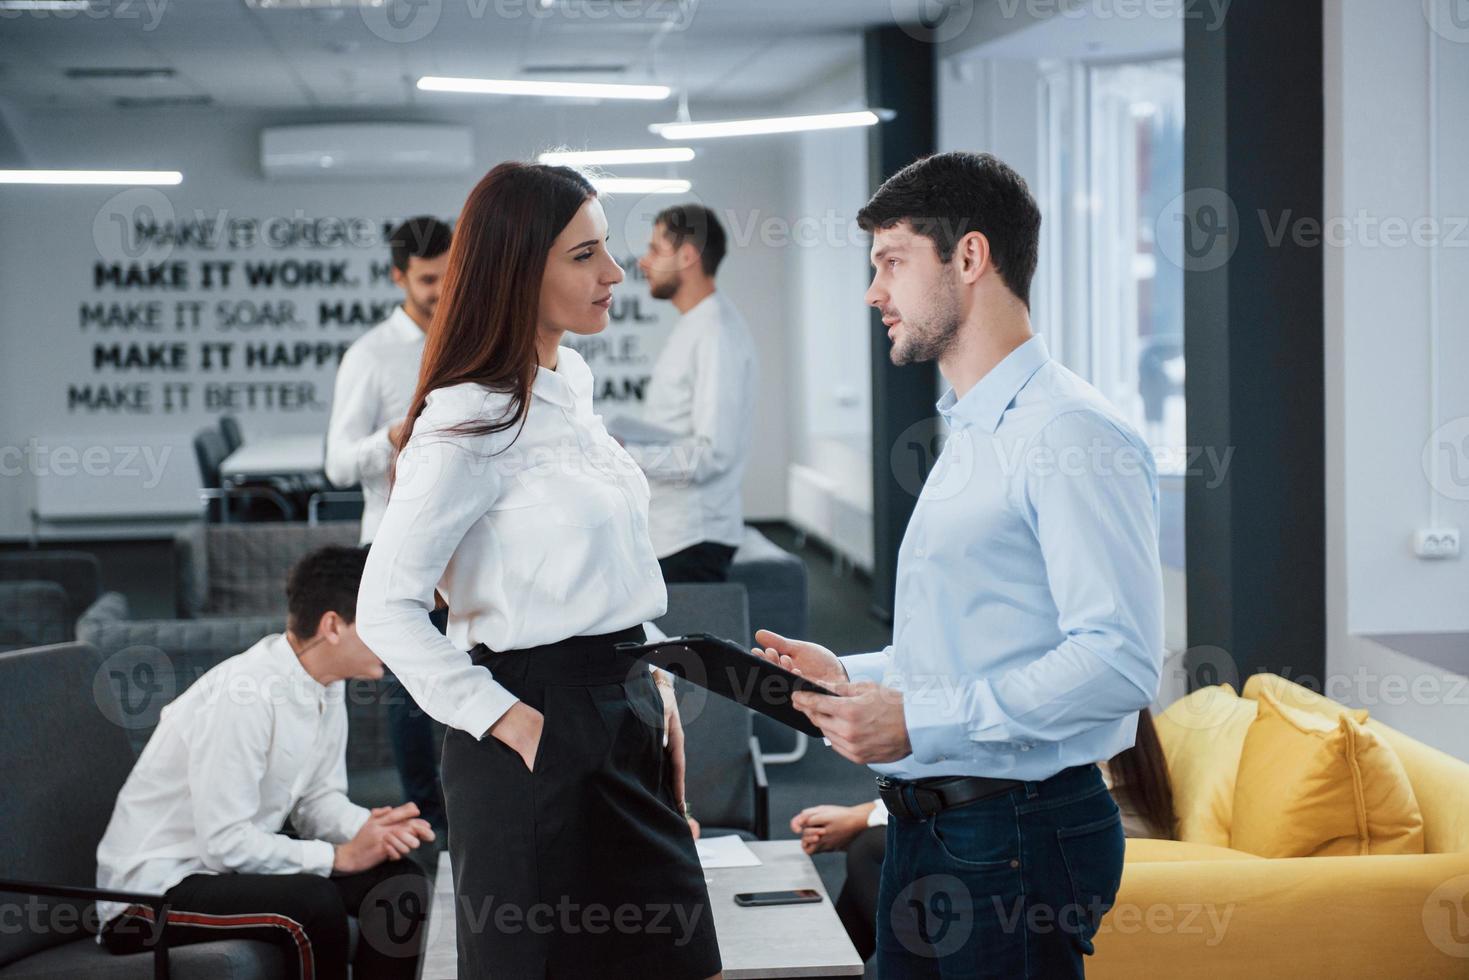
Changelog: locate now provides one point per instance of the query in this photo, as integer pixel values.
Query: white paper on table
(725, 852)
(634, 431)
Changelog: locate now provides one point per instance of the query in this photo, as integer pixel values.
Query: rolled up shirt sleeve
(1095, 519)
(357, 448)
(442, 488)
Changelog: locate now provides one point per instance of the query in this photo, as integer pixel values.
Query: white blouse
(530, 544)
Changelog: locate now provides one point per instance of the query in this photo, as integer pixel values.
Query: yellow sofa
(1189, 910)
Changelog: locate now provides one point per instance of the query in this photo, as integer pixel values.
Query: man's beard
(666, 288)
(932, 337)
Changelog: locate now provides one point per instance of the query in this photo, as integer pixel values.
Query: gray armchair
(775, 580)
(76, 572)
(32, 614)
(719, 735)
(63, 759)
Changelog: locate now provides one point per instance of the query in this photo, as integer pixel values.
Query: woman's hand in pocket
(520, 728)
(674, 727)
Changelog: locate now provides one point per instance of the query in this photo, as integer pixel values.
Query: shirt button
(1025, 748)
(921, 553)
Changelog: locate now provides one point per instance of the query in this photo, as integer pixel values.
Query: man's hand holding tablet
(864, 722)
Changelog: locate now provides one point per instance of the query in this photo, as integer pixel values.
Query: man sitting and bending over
(260, 738)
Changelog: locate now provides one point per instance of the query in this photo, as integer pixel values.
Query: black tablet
(732, 671)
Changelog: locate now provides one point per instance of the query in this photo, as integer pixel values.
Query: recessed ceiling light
(573, 90)
(774, 124)
(45, 4)
(612, 158)
(131, 177)
(640, 185)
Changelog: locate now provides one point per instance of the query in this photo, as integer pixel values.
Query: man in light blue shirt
(1028, 617)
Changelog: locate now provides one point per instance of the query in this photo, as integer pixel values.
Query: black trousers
(580, 867)
(304, 914)
(703, 562)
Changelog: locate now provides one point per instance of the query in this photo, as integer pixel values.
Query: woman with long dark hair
(571, 854)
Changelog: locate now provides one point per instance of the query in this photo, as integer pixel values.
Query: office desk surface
(275, 456)
(755, 943)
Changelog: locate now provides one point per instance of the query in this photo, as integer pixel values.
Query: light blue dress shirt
(1028, 620)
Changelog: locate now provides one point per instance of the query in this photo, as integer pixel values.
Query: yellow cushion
(1308, 787)
(1440, 781)
(1149, 850)
(1203, 734)
(1293, 695)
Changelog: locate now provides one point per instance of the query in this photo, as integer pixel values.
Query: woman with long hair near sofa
(571, 854)
(1137, 778)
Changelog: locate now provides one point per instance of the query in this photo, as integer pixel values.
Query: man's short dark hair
(696, 223)
(423, 237)
(325, 580)
(948, 195)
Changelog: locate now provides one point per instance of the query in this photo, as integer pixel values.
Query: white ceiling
(243, 56)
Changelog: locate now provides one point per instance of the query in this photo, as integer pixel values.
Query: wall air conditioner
(365, 150)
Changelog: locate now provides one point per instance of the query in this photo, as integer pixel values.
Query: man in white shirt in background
(700, 403)
(374, 390)
(260, 738)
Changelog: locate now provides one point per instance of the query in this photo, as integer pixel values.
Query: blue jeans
(1010, 886)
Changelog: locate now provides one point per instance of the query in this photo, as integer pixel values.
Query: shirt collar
(298, 678)
(561, 386)
(985, 404)
(403, 327)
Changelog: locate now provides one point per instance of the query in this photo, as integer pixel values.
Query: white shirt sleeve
(720, 414)
(356, 447)
(325, 812)
(442, 488)
(227, 763)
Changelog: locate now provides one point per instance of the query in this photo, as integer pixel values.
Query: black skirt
(584, 867)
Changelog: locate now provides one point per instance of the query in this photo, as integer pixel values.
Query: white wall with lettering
(114, 340)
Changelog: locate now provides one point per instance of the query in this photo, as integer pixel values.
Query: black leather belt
(935, 794)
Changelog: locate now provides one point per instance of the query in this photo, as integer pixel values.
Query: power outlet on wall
(1437, 542)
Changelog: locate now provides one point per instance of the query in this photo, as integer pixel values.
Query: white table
(274, 456)
(754, 943)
